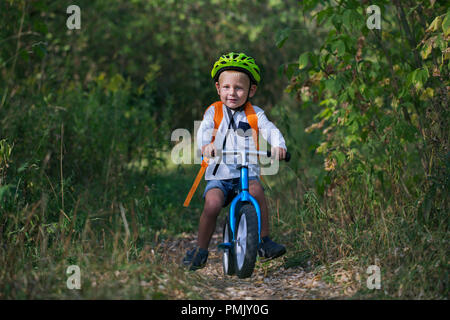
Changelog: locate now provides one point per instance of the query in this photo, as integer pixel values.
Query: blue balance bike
(242, 228)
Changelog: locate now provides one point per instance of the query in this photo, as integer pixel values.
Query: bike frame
(244, 194)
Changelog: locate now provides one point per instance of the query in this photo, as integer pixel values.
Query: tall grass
(82, 182)
(344, 234)
(117, 248)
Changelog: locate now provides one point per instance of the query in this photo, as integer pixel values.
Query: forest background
(86, 117)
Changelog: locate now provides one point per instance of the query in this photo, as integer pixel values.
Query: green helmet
(238, 62)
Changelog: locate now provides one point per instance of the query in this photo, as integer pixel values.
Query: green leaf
(23, 167)
(322, 148)
(337, 22)
(435, 25)
(323, 15)
(347, 18)
(339, 156)
(426, 50)
(313, 60)
(291, 69)
(325, 114)
(417, 78)
(351, 92)
(332, 85)
(339, 46)
(4, 190)
(427, 94)
(354, 127)
(422, 75)
(39, 49)
(446, 24)
(116, 83)
(440, 43)
(303, 60)
(349, 139)
(281, 37)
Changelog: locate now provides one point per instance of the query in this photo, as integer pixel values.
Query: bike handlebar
(287, 158)
(267, 153)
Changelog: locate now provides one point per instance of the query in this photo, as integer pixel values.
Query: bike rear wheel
(246, 244)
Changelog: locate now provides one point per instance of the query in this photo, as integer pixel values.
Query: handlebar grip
(287, 158)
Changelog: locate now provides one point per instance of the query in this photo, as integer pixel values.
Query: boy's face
(233, 87)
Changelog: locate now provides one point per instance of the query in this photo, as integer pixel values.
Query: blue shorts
(229, 187)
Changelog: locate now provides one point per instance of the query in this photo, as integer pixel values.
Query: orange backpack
(252, 119)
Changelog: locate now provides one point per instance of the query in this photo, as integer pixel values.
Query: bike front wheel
(246, 244)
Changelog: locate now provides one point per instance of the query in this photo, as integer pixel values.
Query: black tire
(246, 244)
(227, 258)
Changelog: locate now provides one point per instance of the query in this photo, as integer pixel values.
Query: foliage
(86, 117)
(380, 99)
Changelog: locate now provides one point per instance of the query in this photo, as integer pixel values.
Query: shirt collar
(241, 108)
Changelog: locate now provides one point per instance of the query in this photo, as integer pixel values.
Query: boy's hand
(209, 150)
(279, 153)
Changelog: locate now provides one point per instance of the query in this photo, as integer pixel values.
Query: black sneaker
(196, 258)
(269, 249)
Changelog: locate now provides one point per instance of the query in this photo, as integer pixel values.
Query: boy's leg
(214, 200)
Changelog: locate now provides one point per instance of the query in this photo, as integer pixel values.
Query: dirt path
(270, 280)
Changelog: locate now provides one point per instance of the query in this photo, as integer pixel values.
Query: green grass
(125, 263)
(116, 262)
(412, 255)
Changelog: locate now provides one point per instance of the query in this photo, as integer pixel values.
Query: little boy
(236, 77)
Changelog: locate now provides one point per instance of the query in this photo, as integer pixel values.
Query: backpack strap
(252, 119)
(218, 115)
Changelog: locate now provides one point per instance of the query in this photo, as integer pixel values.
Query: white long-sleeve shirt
(228, 166)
